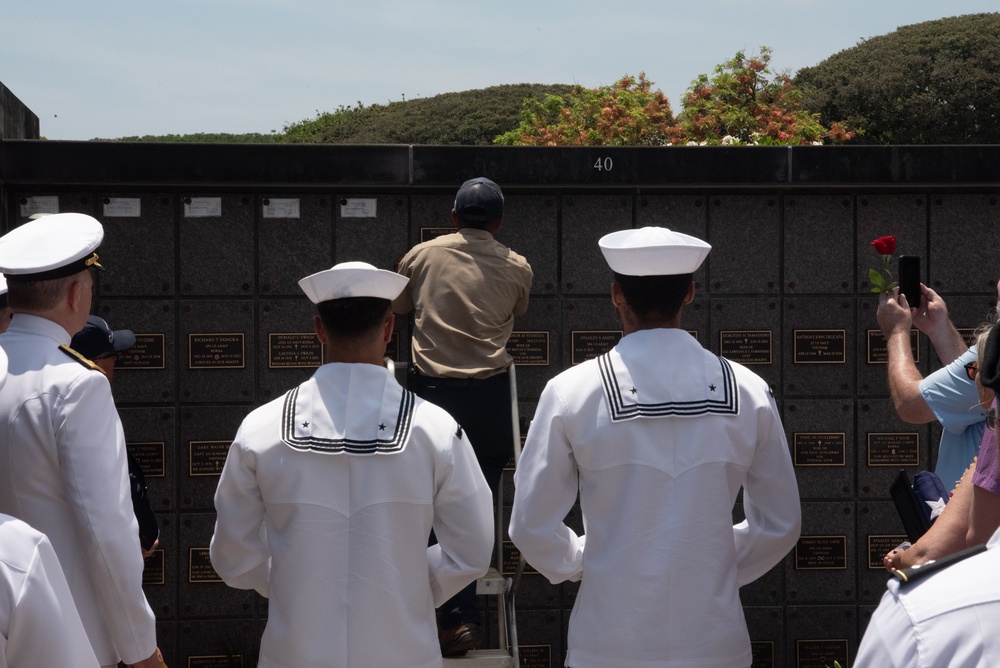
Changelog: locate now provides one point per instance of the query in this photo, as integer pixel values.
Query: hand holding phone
(909, 279)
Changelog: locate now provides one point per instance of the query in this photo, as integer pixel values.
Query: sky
(120, 68)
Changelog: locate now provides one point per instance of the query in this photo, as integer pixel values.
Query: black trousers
(482, 407)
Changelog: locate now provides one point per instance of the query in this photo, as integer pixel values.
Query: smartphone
(909, 279)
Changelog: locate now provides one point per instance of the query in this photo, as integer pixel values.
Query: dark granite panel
(756, 319)
(280, 370)
(899, 165)
(820, 435)
(767, 635)
(151, 436)
(585, 219)
(962, 243)
(159, 578)
(202, 593)
(206, 432)
(431, 210)
(291, 248)
(902, 216)
(877, 417)
(681, 213)
(537, 330)
(768, 589)
(817, 636)
(879, 531)
(138, 252)
(818, 337)
(541, 638)
(146, 373)
(818, 246)
(217, 253)
(211, 640)
(530, 228)
(821, 568)
(166, 641)
(746, 243)
(381, 240)
(582, 316)
(230, 378)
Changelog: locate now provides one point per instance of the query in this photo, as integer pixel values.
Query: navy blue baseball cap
(97, 339)
(479, 200)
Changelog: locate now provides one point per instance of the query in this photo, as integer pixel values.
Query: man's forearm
(948, 343)
(904, 381)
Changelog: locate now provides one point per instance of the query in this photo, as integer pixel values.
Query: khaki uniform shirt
(465, 289)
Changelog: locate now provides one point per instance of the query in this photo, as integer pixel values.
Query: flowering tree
(626, 113)
(741, 105)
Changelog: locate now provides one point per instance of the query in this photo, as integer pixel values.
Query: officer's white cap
(352, 279)
(653, 251)
(51, 246)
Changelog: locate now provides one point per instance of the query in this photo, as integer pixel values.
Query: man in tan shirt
(464, 291)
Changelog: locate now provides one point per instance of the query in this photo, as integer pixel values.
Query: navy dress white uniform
(39, 624)
(62, 455)
(326, 502)
(948, 617)
(658, 436)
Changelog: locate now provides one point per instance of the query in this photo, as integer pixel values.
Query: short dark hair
(352, 317)
(655, 298)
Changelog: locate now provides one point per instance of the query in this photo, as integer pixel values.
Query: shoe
(458, 640)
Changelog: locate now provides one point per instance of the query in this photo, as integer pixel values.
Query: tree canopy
(936, 82)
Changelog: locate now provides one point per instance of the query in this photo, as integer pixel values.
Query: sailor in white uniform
(329, 494)
(657, 436)
(62, 455)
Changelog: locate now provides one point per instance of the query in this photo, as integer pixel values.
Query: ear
(617, 296)
(74, 295)
(689, 297)
(320, 330)
(455, 220)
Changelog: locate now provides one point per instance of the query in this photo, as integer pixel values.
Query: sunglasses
(972, 370)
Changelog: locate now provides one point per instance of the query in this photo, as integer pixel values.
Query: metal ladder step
(481, 658)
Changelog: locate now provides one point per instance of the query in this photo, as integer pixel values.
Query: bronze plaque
(750, 347)
(821, 553)
(147, 353)
(879, 546)
(294, 350)
(152, 570)
(819, 449)
(894, 449)
(586, 345)
(694, 333)
(216, 351)
(200, 566)
(968, 335)
(217, 661)
(819, 346)
(428, 233)
(207, 457)
(529, 348)
(150, 456)
(763, 653)
(820, 653)
(511, 557)
(535, 656)
(878, 348)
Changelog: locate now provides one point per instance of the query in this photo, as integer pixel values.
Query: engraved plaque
(821, 553)
(535, 656)
(152, 570)
(819, 449)
(294, 350)
(200, 566)
(428, 233)
(511, 557)
(216, 351)
(147, 353)
(879, 546)
(529, 348)
(968, 335)
(753, 347)
(150, 456)
(218, 661)
(587, 345)
(894, 449)
(820, 653)
(819, 346)
(207, 457)
(878, 348)
(763, 654)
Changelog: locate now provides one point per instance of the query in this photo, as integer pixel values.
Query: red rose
(885, 245)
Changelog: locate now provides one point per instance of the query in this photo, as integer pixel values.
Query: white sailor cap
(352, 279)
(53, 246)
(653, 251)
